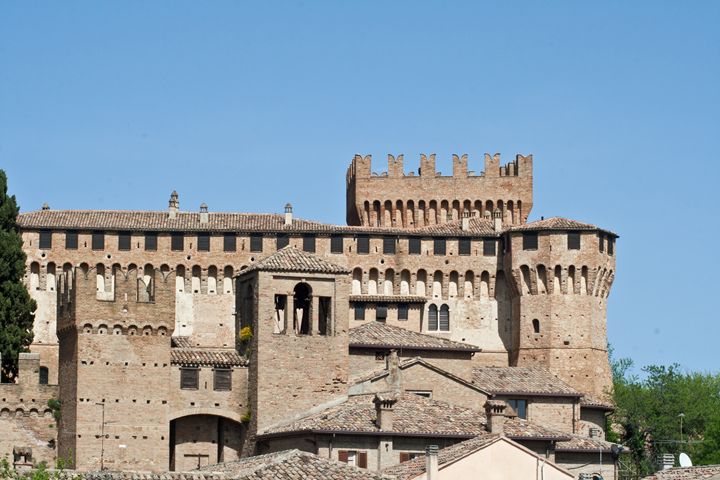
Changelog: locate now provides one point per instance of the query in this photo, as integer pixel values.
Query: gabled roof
(556, 223)
(381, 335)
(521, 381)
(413, 416)
(708, 472)
(292, 259)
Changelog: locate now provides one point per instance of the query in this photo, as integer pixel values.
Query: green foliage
(40, 472)
(247, 416)
(648, 415)
(54, 405)
(16, 306)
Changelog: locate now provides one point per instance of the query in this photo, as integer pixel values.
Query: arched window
(468, 287)
(526, 285)
(484, 285)
(405, 282)
(571, 280)
(453, 285)
(50, 283)
(180, 279)
(212, 280)
(228, 279)
(444, 318)
(195, 282)
(302, 300)
(34, 276)
(557, 280)
(420, 283)
(373, 282)
(536, 325)
(433, 318)
(389, 282)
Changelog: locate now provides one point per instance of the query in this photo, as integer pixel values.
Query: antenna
(685, 460)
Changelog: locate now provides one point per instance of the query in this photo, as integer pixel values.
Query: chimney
(204, 215)
(495, 413)
(595, 433)
(288, 214)
(173, 205)
(28, 368)
(384, 407)
(465, 225)
(393, 367)
(431, 462)
(497, 220)
(45, 206)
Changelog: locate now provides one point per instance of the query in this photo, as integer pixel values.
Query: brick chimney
(384, 407)
(204, 215)
(393, 367)
(173, 205)
(288, 214)
(465, 225)
(431, 463)
(495, 411)
(497, 220)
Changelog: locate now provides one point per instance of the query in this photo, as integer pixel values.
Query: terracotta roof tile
(591, 401)
(579, 443)
(292, 259)
(387, 299)
(687, 473)
(207, 357)
(413, 415)
(381, 335)
(556, 223)
(521, 380)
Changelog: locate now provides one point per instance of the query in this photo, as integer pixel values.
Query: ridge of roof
(556, 223)
(292, 259)
(379, 334)
(521, 380)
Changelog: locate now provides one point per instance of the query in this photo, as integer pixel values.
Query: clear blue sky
(245, 106)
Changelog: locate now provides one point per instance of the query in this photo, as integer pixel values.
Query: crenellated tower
(397, 199)
(114, 375)
(562, 272)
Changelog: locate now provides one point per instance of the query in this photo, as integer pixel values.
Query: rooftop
(292, 259)
(184, 353)
(556, 223)
(709, 472)
(381, 335)
(521, 380)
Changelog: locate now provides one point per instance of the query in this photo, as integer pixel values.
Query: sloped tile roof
(179, 341)
(706, 472)
(292, 259)
(590, 401)
(387, 299)
(109, 475)
(413, 416)
(207, 357)
(579, 443)
(521, 380)
(415, 467)
(381, 335)
(477, 226)
(556, 223)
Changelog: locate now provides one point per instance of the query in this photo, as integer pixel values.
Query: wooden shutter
(403, 311)
(71, 240)
(177, 243)
(489, 247)
(530, 241)
(404, 457)
(439, 246)
(309, 244)
(98, 240)
(362, 459)
(229, 242)
(256, 243)
(189, 378)
(444, 318)
(282, 241)
(343, 456)
(203, 242)
(336, 244)
(222, 379)
(151, 241)
(464, 246)
(45, 239)
(389, 245)
(381, 313)
(363, 244)
(573, 240)
(414, 246)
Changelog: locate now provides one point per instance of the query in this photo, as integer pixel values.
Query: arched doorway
(199, 440)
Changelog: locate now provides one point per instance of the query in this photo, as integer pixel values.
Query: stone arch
(357, 281)
(489, 206)
(542, 279)
(180, 278)
(485, 285)
(164, 271)
(389, 282)
(410, 213)
(432, 213)
(212, 280)
(399, 217)
(146, 284)
(376, 213)
(203, 430)
(50, 279)
(421, 213)
(387, 214)
(571, 280)
(147, 330)
(372, 287)
(366, 213)
(557, 280)
(228, 279)
(302, 314)
(195, 281)
(34, 276)
(478, 208)
(117, 329)
(510, 215)
(469, 281)
(421, 283)
(405, 282)
(102, 329)
(525, 282)
(455, 210)
(437, 284)
(100, 278)
(453, 284)
(467, 207)
(444, 210)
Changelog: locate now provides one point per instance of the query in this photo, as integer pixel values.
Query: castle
(176, 339)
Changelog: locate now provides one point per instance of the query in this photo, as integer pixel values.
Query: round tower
(562, 272)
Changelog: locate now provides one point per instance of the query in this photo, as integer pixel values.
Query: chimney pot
(204, 215)
(496, 413)
(431, 462)
(173, 205)
(497, 220)
(384, 407)
(45, 206)
(288, 214)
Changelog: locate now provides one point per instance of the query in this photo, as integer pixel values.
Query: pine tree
(16, 306)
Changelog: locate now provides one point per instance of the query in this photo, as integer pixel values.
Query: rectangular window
(601, 242)
(229, 242)
(98, 240)
(222, 379)
(282, 241)
(336, 244)
(309, 243)
(520, 407)
(414, 246)
(464, 246)
(407, 456)
(203, 242)
(363, 244)
(256, 242)
(611, 246)
(421, 393)
(353, 457)
(71, 240)
(45, 239)
(573, 240)
(389, 245)
(530, 241)
(403, 311)
(189, 378)
(150, 240)
(381, 313)
(489, 247)
(124, 239)
(177, 242)
(444, 319)
(439, 246)
(359, 312)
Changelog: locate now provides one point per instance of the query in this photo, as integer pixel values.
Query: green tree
(16, 307)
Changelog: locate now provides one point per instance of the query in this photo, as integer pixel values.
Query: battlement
(393, 197)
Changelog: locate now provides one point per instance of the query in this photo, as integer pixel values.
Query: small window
(282, 241)
(353, 457)
(414, 246)
(536, 325)
(381, 313)
(573, 240)
(439, 246)
(124, 241)
(229, 242)
(44, 376)
(151, 241)
(359, 312)
(407, 456)
(601, 242)
(530, 241)
(45, 239)
(177, 242)
(433, 318)
(256, 243)
(71, 240)
(489, 247)
(389, 245)
(336, 244)
(421, 393)
(520, 407)
(444, 318)
(464, 246)
(222, 379)
(203, 242)
(363, 244)
(309, 243)
(98, 240)
(403, 311)
(189, 378)
(611, 246)
(380, 356)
